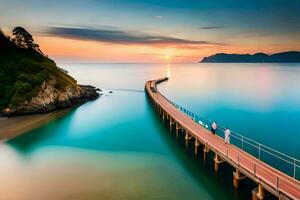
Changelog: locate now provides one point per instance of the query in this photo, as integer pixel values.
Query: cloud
(250, 33)
(115, 36)
(212, 27)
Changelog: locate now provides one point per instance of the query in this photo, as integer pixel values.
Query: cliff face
(48, 94)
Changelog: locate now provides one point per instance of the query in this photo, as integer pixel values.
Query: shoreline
(12, 127)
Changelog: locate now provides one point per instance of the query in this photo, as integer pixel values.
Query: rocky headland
(32, 83)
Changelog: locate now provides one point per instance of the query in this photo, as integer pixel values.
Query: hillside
(284, 57)
(32, 83)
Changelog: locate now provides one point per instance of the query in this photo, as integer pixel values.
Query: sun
(167, 56)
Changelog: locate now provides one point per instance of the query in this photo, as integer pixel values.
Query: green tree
(24, 39)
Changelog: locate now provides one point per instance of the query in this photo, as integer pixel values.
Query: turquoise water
(117, 148)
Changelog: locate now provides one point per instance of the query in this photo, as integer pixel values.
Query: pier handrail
(295, 163)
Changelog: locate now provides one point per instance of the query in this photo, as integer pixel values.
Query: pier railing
(276, 159)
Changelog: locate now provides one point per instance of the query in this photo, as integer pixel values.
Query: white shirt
(227, 132)
(214, 125)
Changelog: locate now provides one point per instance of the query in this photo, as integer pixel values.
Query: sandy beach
(14, 126)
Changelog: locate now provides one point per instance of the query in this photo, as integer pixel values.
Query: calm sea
(117, 148)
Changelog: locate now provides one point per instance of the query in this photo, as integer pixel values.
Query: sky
(153, 31)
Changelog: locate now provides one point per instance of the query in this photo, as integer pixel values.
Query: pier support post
(218, 161)
(177, 127)
(205, 151)
(258, 193)
(187, 137)
(237, 176)
(196, 146)
(170, 124)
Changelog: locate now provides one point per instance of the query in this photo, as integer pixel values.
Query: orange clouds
(89, 50)
(79, 50)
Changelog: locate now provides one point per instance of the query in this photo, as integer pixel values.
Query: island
(283, 57)
(32, 83)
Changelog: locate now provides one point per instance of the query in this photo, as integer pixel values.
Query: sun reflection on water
(169, 71)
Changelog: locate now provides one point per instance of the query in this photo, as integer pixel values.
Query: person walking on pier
(227, 136)
(213, 127)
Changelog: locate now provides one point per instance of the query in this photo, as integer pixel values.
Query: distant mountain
(31, 83)
(284, 57)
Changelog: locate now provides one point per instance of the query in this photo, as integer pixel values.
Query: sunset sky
(153, 31)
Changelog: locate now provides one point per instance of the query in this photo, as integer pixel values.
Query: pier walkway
(268, 178)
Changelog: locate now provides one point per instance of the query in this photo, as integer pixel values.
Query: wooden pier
(267, 178)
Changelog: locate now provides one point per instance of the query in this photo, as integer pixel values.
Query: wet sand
(14, 126)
